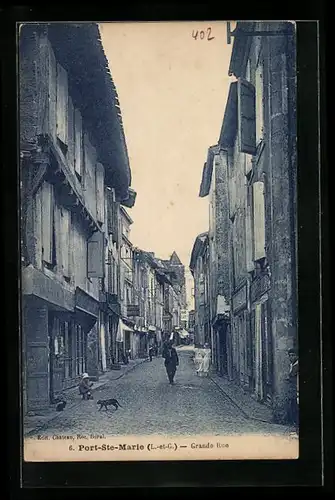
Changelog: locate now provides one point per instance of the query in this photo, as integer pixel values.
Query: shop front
(47, 311)
(124, 340)
(240, 346)
(261, 338)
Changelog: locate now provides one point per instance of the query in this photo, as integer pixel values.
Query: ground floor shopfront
(244, 347)
(59, 338)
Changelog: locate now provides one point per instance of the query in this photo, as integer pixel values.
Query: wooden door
(36, 345)
(267, 353)
(57, 358)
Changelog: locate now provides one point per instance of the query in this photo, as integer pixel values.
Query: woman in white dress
(205, 361)
(197, 358)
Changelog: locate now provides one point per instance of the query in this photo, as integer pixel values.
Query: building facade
(251, 183)
(200, 270)
(72, 147)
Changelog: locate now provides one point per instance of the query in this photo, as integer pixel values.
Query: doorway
(56, 330)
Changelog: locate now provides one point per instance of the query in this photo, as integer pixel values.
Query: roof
(229, 124)
(174, 259)
(240, 46)
(126, 215)
(197, 248)
(207, 172)
(79, 50)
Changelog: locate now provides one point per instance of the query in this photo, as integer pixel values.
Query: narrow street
(151, 406)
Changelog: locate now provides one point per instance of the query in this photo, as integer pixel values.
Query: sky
(172, 89)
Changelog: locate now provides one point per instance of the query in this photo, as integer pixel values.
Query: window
(62, 107)
(96, 255)
(100, 174)
(246, 116)
(46, 196)
(259, 102)
(248, 231)
(64, 235)
(258, 220)
(78, 143)
(248, 71)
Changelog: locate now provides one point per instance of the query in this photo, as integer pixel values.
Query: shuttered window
(259, 102)
(65, 227)
(47, 220)
(246, 116)
(90, 193)
(248, 230)
(78, 143)
(52, 84)
(100, 174)
(70, 135)
(96, 255)
(258, 220)
(62, 105)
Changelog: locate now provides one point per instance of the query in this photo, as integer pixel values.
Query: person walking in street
(151, 352)
(293, 379)
(171, 361)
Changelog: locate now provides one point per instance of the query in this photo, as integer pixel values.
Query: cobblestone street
(151, 406)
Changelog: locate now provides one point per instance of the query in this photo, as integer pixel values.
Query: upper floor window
(259, 85)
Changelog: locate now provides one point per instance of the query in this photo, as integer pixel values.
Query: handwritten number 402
(203, 34)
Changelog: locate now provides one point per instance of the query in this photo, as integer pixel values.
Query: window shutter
(70, 135)
(100, 174)
(62, 104)
(52, 92)
(259, 220)
(246, 116)
(259, 102)
(96, 255)
(65, 226)
(90, 193)
(110, 211)
(248, 231)
(115, 222)
(78, 143)
(47, 221)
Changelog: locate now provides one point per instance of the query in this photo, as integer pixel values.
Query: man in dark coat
(171, 361)
(293, 387)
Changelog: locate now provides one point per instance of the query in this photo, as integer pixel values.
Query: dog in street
(104, 403)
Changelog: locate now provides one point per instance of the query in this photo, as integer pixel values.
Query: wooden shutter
(96, 255)
(37, 226)
(65, 223)
(100, 174)
(110, 207)
(70, 135)
(116, 221)
(259, 220)
(248, 231)
(89, 176)
(259, 102)
(62, 104)
(246, 116)
(47, 221)
(52, 93)
(78, 142)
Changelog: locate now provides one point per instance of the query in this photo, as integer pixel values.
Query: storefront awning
(125, 327)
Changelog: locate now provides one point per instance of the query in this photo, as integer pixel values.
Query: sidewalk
(248, 406)
(37, 420)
